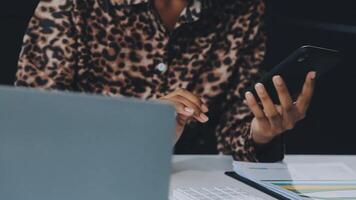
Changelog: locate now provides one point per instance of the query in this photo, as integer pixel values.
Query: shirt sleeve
(233, 131)
(48, 56)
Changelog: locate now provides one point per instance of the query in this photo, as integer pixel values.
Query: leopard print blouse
(122, 48)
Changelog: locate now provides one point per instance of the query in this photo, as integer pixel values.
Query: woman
(196, 54)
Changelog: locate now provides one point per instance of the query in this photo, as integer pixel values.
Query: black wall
(14, 16)
(330, 127)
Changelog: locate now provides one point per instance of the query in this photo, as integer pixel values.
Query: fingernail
(189, 110)
(278, 80)
(259, 87)
(204, 117)
(249, 96)
(204, 108)
(313, 75)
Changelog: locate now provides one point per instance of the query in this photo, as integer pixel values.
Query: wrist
(260, 139)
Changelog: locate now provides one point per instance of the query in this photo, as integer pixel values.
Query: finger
(191, 107)
(305, 97)
(181, 109)
(287, 107)
(279, 109)
(193, 98)
(182, 119)
(288, 119)
(253, 105)
(270, 109)
(283, 94)
(268, 106)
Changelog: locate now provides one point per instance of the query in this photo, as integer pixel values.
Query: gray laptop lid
(56, 146)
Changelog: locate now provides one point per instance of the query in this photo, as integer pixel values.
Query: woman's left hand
(188, 106)
(273, 119)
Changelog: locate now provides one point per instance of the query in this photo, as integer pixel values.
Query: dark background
(329, 128)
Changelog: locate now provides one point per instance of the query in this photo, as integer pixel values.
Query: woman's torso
(126, 50)
(121, 48)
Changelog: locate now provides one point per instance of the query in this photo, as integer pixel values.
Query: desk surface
(202, 171)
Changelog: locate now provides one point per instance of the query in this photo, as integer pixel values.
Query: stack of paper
(302, 181)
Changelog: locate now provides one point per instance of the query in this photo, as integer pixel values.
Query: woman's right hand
(188, 106)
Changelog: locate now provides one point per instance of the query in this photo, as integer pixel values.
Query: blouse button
(161, 67)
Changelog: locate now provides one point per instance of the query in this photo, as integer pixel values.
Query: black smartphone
(295, 68)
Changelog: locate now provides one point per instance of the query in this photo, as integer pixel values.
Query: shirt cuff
(270, 152)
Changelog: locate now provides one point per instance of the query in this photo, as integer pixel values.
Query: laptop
(56, 146)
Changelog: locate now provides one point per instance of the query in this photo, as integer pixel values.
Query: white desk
(202, 171)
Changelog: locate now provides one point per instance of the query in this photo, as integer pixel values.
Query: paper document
(281, 171)
(329, 181)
